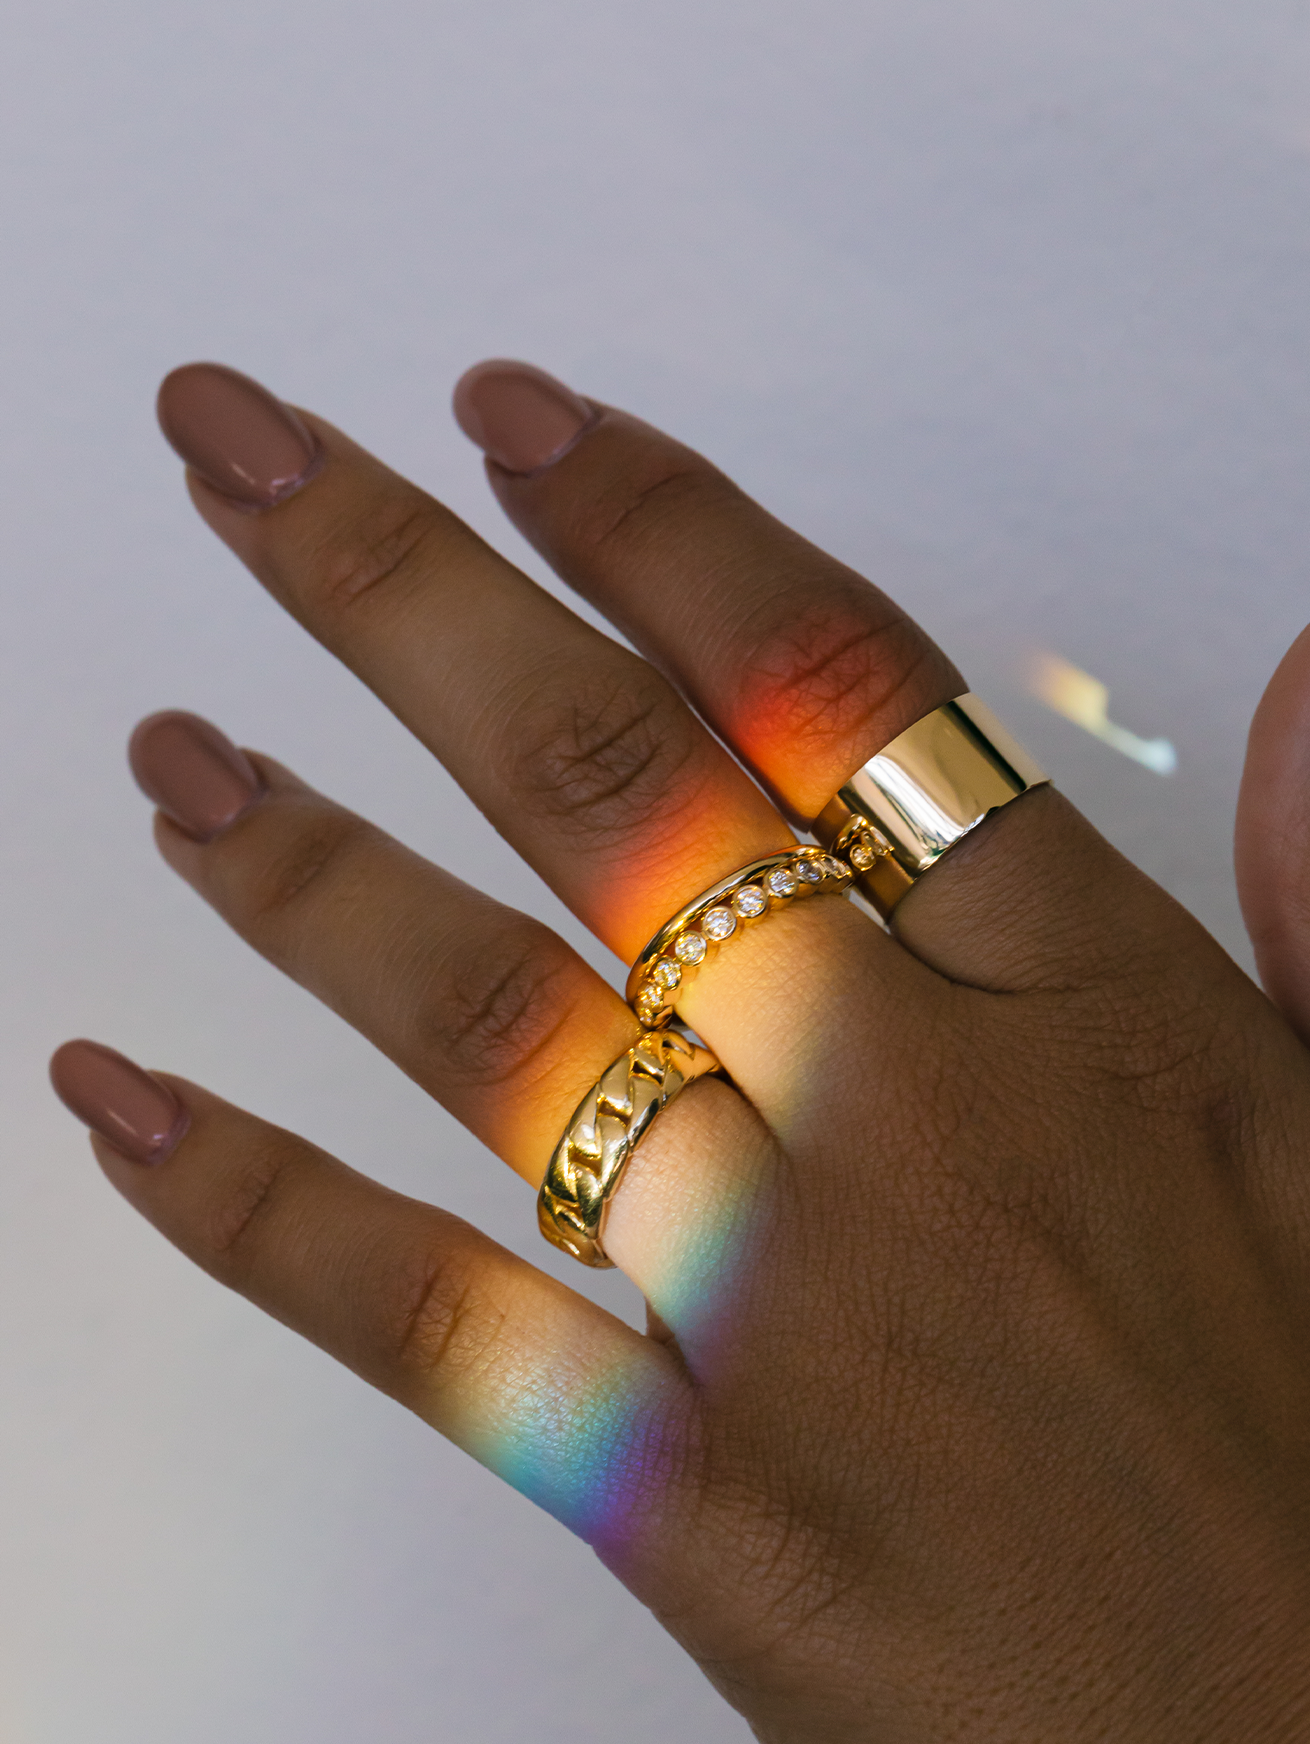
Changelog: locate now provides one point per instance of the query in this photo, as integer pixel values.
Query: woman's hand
(977, 1397)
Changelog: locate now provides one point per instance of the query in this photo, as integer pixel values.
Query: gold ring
(607, 1126)
(694, 934)
(896, 817)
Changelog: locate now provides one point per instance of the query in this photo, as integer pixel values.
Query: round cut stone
(808, 871)
(861, 856)
(666, 974)
(719, 923)
(649, 1004)
(781, 881)
(749, 901)
(690, 948)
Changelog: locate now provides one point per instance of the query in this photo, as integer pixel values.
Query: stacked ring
(695, 933)
(896, 817)
(884, 829)
(607, 1126)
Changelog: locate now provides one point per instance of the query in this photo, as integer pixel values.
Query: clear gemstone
(690, 948)
(718, 923)
(808, 871)
(749, 901)
(861, 856)
(649, 1004)
(781, 881)
(834, 868)
(666, 974)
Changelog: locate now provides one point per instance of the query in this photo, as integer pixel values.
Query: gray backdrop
(1004, 302)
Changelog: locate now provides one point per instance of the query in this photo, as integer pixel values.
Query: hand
(976, 1401)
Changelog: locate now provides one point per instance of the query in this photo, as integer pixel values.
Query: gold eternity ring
(687, 941)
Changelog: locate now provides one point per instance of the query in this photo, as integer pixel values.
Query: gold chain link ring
(687, 941)
(607, 1126)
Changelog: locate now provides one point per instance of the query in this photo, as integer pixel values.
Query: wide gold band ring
(896, 817)
(607, 1126)
(693, 935)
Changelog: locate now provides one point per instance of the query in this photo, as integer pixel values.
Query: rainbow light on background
(1085, 701)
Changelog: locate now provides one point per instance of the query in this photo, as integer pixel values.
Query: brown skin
(992, 1419)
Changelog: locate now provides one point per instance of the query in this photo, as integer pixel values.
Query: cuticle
(172, 1138)
(260, 794)
(536, 471)
(292, 487)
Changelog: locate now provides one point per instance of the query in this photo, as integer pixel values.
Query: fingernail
(519, 416)
(127, 1107)
(232, 431)
(193, 772)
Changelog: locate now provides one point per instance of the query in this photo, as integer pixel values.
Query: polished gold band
(607, 1126)
(897, 816)
(694, 934)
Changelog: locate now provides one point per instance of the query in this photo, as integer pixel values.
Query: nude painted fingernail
(519, 416)
(194, 774)
(132, 1111)
(236, 435)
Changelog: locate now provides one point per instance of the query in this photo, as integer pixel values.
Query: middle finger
(580, 753)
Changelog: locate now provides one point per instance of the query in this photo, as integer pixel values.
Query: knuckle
(447, 1319)
(838, 667)
(310, 860)
(604, 757)
(643, 500)
(375, 553)
(238, 1220)
(500, 1004)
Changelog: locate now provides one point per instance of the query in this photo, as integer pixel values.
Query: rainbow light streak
(694, 1279)
(589, 1420)
(586, 1449)
(1085, 701)
(590, 1441)
(706, 1258)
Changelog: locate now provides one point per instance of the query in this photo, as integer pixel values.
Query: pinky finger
(1273, 837)
(572, 1407)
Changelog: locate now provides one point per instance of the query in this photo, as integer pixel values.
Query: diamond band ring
(896, 817)
(692, 936)
(607, 1126)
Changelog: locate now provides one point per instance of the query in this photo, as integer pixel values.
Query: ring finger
(485, 1008)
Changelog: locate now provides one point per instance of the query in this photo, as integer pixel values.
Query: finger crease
(379, 561)
(640, 503)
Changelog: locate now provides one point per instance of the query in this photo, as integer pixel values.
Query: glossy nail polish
(519, 416)
(129, 1109)
(193, 773)
(236, 435)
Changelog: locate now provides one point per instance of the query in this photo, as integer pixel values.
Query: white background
(1005, 302)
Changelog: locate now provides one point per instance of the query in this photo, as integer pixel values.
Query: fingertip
(132, 1111)
(519, 416)
(193, 772)
(244, 442)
